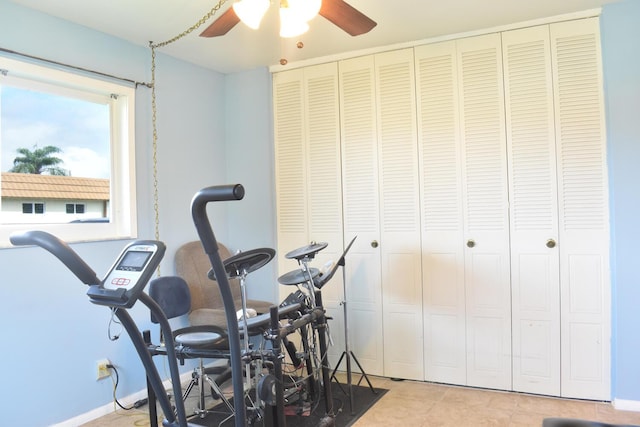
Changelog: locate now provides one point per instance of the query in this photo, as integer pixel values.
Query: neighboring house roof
(32, 186)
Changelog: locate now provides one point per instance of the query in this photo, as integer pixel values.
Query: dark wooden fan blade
(222, 25)
(346, 17)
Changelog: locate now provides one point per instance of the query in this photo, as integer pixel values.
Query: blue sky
(78, 127)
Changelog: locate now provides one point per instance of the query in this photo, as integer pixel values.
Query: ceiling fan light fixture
(251, 12)
(290, 23)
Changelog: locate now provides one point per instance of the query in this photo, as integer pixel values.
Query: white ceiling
(399, 21)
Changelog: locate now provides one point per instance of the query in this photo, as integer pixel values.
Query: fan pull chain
(194, 27)
(154, 110)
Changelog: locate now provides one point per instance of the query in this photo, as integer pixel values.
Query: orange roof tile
(32, 186)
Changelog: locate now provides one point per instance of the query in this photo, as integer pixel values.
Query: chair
(207, 308)
(193, 264)
(172, 294)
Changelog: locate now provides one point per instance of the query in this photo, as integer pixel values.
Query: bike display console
(125, 280)
(129, 274)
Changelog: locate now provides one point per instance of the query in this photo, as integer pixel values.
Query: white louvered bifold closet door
(324, 185)
(442, 222)
(399, 215)
(486, 217)
(473, 173)
(308, 175)
(361, 211)
(583, 203)
(534, 212)
(290, 165)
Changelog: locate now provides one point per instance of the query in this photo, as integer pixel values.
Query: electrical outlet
(102, 370)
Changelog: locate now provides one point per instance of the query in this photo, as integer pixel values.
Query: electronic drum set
(304, 378)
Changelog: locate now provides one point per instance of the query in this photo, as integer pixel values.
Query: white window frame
(123, 215)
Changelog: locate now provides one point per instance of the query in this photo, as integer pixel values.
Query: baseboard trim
(109, 407)
(626, 405)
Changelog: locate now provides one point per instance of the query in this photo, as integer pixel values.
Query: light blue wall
(52, 336)
(249, 141)
(621, 67)
(216, 129)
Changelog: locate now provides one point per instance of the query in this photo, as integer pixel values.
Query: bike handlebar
(208, 240)
(60, 249)
(199, 210)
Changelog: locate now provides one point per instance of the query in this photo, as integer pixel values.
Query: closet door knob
(374, 244)
(551, 243)
(471, 243)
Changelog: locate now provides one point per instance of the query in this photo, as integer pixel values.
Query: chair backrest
(193, 264)
(172, 294)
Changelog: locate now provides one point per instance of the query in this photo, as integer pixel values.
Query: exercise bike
(124, 286)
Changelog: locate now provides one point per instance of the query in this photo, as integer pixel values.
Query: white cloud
(85, 163)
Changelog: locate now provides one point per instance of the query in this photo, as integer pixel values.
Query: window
(33, 208)
(75, 208)
(66, 134)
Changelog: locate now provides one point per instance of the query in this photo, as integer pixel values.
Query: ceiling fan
(338, 12)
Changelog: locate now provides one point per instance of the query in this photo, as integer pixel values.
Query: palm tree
(38, 161)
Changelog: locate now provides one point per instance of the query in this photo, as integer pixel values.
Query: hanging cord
(153, 47)
(137, 404)
(194, 27)
(114, 321)
(116, 381)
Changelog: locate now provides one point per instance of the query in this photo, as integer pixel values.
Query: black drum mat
(363, 399)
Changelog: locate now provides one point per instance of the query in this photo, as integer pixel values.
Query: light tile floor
(411, 403)
(422, 404)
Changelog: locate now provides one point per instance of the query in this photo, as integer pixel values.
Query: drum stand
(245, 335)
(309, 279)
(347, 354)
(239, 266)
